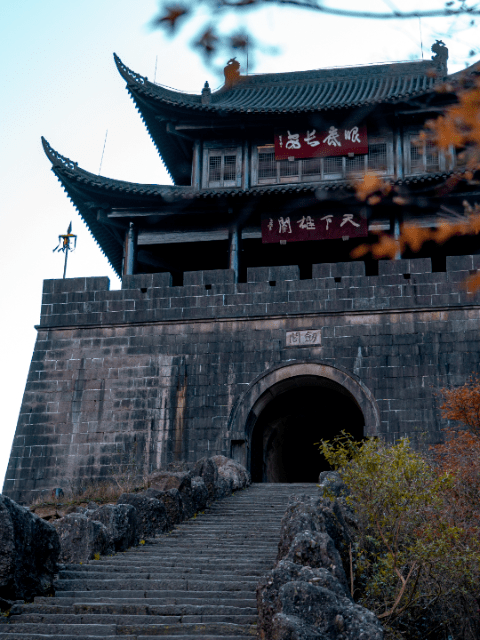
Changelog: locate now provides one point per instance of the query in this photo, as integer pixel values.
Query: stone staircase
(198, 581)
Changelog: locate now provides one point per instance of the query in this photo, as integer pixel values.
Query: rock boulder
(81, 538)
(29, 552)
(151, 517)
(206, 469)
(233, 472)
(120, 522)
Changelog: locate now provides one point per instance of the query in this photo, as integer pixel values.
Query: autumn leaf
(239, 41)
(386, 247)
(171, 15)
(414, 236)
(207, 41)
(360, 251)
(370, 185)
(472, 284)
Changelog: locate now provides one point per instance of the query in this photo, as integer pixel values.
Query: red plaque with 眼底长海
(336, 141)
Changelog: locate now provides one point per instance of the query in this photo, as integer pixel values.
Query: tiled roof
(301, 91)
(90, 192)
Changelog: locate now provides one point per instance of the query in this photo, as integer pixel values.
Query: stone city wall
(156, 369)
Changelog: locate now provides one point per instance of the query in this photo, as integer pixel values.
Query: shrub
(415, 563)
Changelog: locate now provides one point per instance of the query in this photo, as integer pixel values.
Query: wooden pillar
(130, 251)
(196, 170)
(398, 152)
(400, 174)
(234, 251)
(246, 166)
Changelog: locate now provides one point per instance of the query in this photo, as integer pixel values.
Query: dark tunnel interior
(284, 434)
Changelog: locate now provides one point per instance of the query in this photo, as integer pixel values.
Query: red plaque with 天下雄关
(295, 228)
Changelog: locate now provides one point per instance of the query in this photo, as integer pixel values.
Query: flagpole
(65, 267)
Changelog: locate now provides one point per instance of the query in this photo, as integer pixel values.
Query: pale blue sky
(59, 80)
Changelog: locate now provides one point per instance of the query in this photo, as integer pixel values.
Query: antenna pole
(421, 39)
(101, 160)
(155, 74)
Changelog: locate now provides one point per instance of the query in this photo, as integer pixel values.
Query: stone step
(102, 594)
(158, 574)
(12, 635)
(173, 598)
(131, 620)
(197, 581)
(151, 585)
(133, 609)
(115, 563)
(133, 631)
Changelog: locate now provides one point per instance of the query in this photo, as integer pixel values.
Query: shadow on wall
(283, 438)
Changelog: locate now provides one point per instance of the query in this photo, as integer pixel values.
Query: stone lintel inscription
(310, 338)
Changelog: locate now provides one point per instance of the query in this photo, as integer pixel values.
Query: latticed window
(333, 167)
(312, 167)
(271, 171)
(222, 168)
(377, 156)
(267, 167)
(423, 156)
(432, 160)
(355, 164)
(288, 168)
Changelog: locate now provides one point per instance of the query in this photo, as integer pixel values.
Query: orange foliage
(463, 404)
(459, 456)
(370, 185)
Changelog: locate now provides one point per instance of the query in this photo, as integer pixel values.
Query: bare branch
(311, 5)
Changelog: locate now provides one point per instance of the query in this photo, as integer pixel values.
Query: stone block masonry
(155, 371)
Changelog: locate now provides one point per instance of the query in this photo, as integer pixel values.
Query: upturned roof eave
(111, 190)
(164, 100)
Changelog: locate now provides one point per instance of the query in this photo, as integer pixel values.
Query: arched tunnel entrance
(309, 409)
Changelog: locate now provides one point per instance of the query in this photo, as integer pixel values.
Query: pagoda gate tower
(243, 326)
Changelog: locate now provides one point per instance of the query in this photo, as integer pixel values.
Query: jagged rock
(199, 494)
(317, 550)
(151, 516)
(181, 480)
(306, 596)
(319, 515)
(29, 551)
(120, 522)
(232, 471)
(165, 480)
(223, 488)
(82, 538)
(208, 471)
(172, 501)
(286, 571)
(307, 611)
(332, 482)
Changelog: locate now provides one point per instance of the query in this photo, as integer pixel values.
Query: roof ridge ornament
(232, 72)
(206, 93)
(56, 158)
(441, 56)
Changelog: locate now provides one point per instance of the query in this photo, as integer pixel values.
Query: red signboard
(337, 141)
(318, 226)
